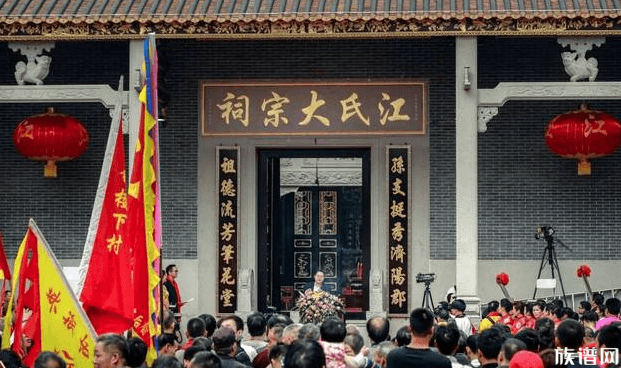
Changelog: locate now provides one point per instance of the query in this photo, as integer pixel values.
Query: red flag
(107, 290)
(47, 315)
(143, 206)
(5, 274)
(27, 334)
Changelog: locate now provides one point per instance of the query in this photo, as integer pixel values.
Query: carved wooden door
(314, 228)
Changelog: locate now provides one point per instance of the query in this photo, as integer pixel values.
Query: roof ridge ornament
(576, 64)
(37, 66)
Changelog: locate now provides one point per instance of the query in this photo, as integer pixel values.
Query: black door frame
(267, 175)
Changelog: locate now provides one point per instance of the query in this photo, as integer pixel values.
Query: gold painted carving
(128, 28)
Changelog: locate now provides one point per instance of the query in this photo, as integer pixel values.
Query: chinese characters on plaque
(398, 167)
(227, 228)
(321, 107)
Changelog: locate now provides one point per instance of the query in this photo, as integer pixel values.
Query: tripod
(427, 299)
(549, 257)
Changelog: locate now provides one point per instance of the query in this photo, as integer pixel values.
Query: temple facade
(392, 146)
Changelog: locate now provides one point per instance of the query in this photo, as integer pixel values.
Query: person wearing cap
(526, 359)
(450, 294)
(457, 308)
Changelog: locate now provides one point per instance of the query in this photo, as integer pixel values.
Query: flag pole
(161, 298)
(100, 194)
(158, 208)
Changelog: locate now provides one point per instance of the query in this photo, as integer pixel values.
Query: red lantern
(583, 134)
(50, 137)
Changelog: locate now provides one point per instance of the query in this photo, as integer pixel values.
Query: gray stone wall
(430, 60)
(522, 184)
(61, 207)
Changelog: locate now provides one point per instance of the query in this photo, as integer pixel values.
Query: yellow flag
(64, 327)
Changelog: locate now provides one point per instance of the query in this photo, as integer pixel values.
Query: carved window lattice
(303, 213)
(327, 212)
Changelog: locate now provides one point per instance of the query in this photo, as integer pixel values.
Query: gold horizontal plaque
(317, 108)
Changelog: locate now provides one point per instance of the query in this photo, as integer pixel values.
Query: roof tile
(200, 15)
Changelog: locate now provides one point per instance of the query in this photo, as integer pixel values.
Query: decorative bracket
(581, 44)
(38, 65)
(31, 49)
(485, 114)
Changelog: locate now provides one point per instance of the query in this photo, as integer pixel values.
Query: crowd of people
(514, 334)
(510, 334)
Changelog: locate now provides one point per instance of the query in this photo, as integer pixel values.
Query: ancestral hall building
(370, 140)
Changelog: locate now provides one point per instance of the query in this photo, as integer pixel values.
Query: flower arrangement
(583, 270)
(317, 306)
(502, 279)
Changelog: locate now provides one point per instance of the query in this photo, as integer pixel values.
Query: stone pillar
(376, 298)
(244, 292)
(467, 253)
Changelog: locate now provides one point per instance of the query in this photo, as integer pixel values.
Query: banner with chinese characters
(398, 193)
(316, 107)
(228, 231)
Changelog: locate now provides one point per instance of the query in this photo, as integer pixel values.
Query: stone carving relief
(245, 289)
(209, 27)
(576, 64)
(37, 66)
(484, 115)
(376, 298)
(296, 172)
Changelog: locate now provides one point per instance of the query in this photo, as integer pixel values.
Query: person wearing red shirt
(532, 312)
(538, 309)
(519, 319)
(505, 307)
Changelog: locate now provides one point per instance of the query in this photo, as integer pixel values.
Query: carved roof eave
(315, 26)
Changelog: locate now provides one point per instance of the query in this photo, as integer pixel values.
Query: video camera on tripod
(427, 278)
(544, 232)
(549, 257)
